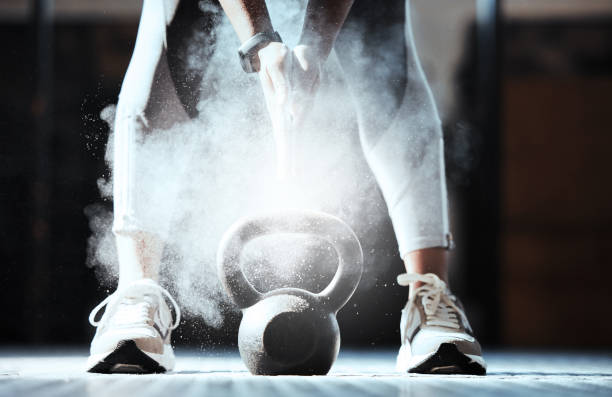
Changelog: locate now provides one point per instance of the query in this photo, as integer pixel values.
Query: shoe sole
(127, 358)
(448, 360)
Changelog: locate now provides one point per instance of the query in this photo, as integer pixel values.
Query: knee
(410, 124)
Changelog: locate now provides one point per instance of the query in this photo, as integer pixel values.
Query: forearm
(248, 17)
(322, 23)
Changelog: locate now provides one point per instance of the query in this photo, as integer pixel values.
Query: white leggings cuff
(419, 243)
(126, 225)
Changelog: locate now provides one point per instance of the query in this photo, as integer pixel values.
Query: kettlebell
(290, 331)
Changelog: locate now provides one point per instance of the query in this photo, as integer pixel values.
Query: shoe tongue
(428, 300)
(132, 299)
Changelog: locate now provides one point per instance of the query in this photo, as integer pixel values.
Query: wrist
(317, 44)
(248, 51)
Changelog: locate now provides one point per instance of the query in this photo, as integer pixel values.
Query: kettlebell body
(290, 331)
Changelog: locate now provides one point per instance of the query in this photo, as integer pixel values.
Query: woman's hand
(305, 78)
(290, 80)
(274, 64)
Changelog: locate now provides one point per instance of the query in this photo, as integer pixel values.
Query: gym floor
(59, 372)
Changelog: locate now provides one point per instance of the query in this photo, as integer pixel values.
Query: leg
(401, 137)
(399, 126)
(148, 101)
(134, 332)
(428, 260)
(146, 88)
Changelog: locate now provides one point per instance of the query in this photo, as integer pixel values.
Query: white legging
(402, 142)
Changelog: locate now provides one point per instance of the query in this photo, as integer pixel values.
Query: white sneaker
(436, 335)
(133, 335)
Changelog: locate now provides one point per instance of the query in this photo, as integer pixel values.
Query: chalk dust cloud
(200, 176)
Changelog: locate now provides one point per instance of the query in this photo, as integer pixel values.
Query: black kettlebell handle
(325, 226)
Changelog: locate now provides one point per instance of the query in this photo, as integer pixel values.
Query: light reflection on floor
(368, 373)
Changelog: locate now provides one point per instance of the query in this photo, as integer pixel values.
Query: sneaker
(133, 335)
(436, 335)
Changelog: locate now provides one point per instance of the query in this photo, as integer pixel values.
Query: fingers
(285, 73)
(305, 78)
(278, 76)
(300, 103)
(300, 56)
(267, 85)
(274, 66)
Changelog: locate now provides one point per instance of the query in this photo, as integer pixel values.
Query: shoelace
(135, 309)
(439, 308)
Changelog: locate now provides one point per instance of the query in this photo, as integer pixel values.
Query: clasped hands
(290, 79)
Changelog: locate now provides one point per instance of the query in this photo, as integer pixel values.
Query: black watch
(248, 51)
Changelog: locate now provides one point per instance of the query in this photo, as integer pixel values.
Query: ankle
(139, 257)
(428, 260)
(128, 278)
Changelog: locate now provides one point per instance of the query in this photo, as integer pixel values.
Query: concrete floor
(356, 373)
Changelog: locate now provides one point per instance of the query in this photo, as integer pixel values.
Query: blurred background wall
(526, 106)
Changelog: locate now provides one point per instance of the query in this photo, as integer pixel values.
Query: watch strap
(248, 50)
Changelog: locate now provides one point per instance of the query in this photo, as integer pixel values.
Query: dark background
(532, 97)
